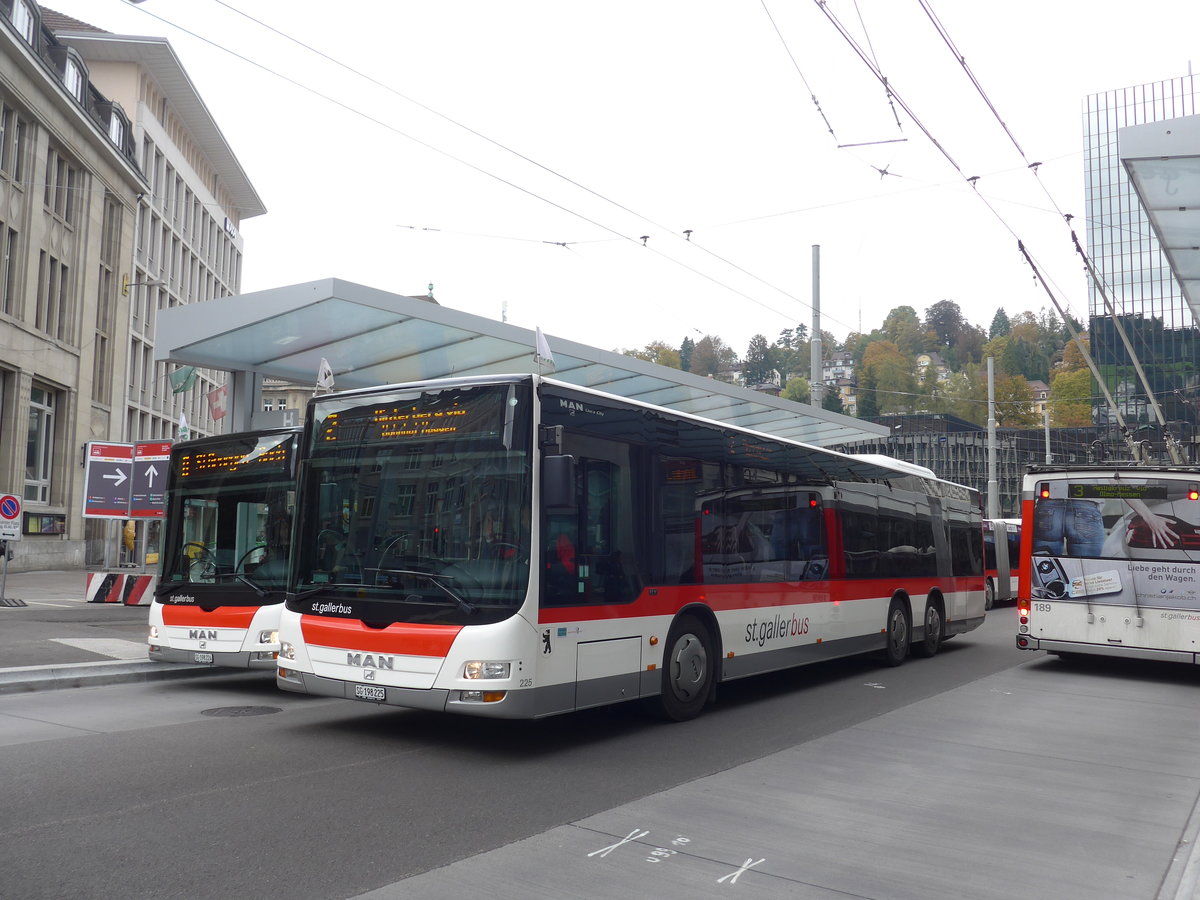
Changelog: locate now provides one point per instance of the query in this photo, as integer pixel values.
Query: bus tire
(989, 594)
(935, 626)
(898, 633)
(688, 666)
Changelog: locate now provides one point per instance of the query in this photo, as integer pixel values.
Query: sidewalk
(57, 640)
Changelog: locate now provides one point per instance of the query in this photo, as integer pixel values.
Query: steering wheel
(246, 555)
(205, 560)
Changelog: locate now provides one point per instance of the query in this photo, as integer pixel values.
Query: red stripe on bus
(400, 638)
(1025, 578)
(222, 616)
(666, 601)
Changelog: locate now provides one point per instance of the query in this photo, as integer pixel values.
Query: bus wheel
(687, 670)
(929, 645)
(989, 594)
(899, 633)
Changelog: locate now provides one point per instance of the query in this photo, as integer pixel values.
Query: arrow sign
(148, 495)
(106, 481)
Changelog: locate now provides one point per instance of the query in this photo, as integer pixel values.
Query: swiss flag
(218, 401)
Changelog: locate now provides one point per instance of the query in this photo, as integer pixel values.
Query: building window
(73, 79)
(8, 271)
(39, 445)
(23, 20)
(63, 182)
(54, 312)
(12, 143)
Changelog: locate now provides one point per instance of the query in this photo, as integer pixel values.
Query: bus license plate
(368, 692)
(202, 658)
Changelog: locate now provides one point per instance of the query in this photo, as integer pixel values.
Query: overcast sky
(597, 124)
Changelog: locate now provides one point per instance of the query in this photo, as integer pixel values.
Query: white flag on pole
(324, 376)
(541, 354)
(185, 433)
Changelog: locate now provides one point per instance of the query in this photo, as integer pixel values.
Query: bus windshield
(416, 505)
(228, 521)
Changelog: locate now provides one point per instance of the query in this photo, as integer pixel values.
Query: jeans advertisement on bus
(1118, 542)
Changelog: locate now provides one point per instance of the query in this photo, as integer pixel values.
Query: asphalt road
(224, 787)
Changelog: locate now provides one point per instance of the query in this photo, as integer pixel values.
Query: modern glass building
(1127, 257)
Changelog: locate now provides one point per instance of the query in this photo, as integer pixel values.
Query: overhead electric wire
(479, 169)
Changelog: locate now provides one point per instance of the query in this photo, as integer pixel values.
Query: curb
(25, 679)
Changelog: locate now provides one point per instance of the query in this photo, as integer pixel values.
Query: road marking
(113, 647)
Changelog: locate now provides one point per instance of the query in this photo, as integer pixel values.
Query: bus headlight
(153, 632)
(482, 669)
(268, 636)
(287, 650)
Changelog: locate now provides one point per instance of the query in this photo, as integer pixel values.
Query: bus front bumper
(515, 705)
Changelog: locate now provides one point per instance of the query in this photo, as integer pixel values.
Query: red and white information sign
(107, 481)
(148, 498)
(10, 517)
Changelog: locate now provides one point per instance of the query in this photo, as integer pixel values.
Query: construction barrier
(120, 587)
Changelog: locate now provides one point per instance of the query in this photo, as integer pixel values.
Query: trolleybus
(1001, 559)
(1110, 562)
(513, 546)
(225, 550)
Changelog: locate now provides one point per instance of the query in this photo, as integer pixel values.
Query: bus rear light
(1024, 629)
(1024, 620)
(1044, 490)
(1022, 642)
(1022, 611)
(1193, 492)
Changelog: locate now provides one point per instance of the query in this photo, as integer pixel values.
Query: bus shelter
(372, 337)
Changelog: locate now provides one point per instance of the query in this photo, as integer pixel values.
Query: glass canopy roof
(373, 337)
(1163, 163)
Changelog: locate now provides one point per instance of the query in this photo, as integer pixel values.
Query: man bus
(516, 547)
(1110, 562)
(226, 539)
(1001, 559)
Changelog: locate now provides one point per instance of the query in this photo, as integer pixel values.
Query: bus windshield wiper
(244, 579)
(434, 577)
(321, 588)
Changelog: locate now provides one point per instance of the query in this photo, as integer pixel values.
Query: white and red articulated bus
(513, 546)
(225, 550)
(1110, 562)
(1001, 559)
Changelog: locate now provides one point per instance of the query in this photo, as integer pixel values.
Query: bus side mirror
(558, 483)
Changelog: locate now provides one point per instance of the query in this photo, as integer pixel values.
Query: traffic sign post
(148, 495)
(10, 530)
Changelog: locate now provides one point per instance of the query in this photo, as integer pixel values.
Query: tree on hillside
(832, 401)
(868, 401)
(1072, 357)
(758, 368)
(1071, 398)
(903, 328)
(657, 352)
(685, 354)
(1000, 324)
(1014, 402)
(945, 320)
(712, 355)
(892, 372)
(797, 389)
